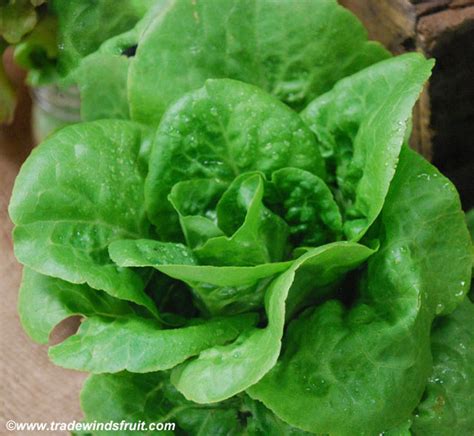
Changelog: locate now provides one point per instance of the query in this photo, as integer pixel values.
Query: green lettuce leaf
(220, 131)
(37, 52)
(83, 25)
(263, 422)
(369, 363)
(470, 222)
(360, 126)
(308, 206)
(45, 301)
(140, 345)
(218, 289)
(152, 398)
(221, 372)
(195, 201)
(55, 206)
(294, 50)
(106, 95)
(17, 18)
(447, 403)
(255, 235)
(103, 95)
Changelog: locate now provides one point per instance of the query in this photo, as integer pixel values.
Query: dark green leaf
(151, 398)
(447, 404)
(17, 18)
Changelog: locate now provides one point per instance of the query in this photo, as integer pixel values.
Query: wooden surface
(32, 389)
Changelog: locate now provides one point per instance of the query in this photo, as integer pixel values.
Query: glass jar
(53, 108)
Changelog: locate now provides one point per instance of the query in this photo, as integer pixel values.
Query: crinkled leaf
(221, 372)
(140, 345)
(220, 131)
(294, 50)
(370, 363)
(45, 301)
(360, 126)
(447, 404)
(55, 206)
(308, 206)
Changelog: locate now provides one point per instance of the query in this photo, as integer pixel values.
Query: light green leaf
(136, 253)
(195, 201)
(221, 372)
(103, 95)
(255, 235)
(140, 345)
(294, 50)
(55, 206)
(44, 301)
(221, 289)
(369, 363)
(360, 126)
(447, 404)
(147, 252)
(220, 131)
